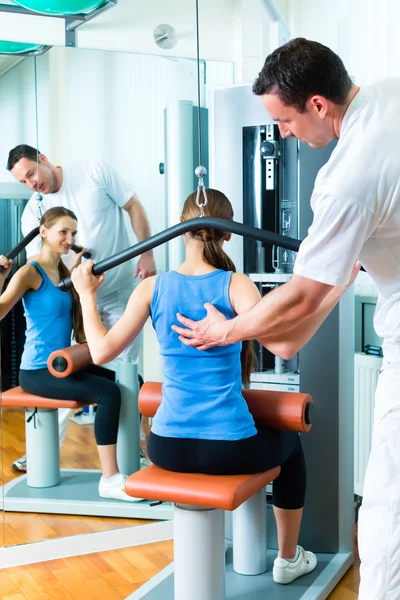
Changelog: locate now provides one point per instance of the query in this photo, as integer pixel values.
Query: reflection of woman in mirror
(51, 316)
(100, 198)
(203, 424)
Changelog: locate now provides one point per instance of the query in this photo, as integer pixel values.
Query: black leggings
(82, 386)
(265, 450)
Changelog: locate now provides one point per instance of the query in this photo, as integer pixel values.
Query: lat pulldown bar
(192, 225)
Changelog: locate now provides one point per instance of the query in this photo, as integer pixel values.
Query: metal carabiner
(39, 208)
(201, 172)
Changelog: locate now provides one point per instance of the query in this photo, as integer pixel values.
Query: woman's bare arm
(25, 279)
(106, 345)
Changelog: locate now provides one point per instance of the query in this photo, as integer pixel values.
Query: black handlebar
(31, 236)
(77, 249)
(192, 225)
(165, 236)
(23, 243)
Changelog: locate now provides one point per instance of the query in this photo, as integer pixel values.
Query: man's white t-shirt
(95, 192)
(356, 205)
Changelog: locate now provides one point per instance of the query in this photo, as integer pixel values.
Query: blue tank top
(48, 314)
(202, 389)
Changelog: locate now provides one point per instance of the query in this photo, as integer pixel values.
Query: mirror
(136, 112)
(16, 98)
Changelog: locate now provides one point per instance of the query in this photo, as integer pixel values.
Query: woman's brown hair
(49, 219)
(219, 206)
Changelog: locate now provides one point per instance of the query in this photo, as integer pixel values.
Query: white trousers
(379, 520)
(110, 309)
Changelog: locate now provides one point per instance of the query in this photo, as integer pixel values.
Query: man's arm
(146, 265)
(325, 260)
(282, 309)
(245, 295)
(119, 192)
(289, 342)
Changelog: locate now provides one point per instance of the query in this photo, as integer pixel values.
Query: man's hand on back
(211, 331)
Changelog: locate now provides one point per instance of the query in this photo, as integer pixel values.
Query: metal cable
(39, 196)
(200, 171)
(198, 81)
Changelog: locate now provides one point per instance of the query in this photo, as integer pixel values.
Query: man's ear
(320, 105)
(43, 159)
(228, 237)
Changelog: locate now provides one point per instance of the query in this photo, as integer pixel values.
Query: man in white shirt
(356, 203)
(97, 194)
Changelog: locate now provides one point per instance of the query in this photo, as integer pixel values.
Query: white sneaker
(286, 572)
(116, 490)
(19, 465)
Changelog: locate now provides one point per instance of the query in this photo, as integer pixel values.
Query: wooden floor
(109, 575)
(103, 576)
(78, 451)
(106, 576)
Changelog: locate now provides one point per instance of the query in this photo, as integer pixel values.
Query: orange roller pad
(280, 410)
(66, 361)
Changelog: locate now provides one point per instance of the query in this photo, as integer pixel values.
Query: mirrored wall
(116, 109)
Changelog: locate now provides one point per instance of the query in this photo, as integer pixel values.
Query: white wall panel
(110, 106)
(17, 109)
(363, 32)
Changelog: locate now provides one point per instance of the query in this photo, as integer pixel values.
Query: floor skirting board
(87, 543)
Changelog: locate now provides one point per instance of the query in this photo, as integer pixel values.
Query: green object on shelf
(17, 47)
(60, 7)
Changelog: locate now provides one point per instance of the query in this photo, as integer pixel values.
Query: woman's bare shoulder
(244, 293)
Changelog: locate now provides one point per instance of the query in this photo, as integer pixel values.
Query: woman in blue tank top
(51, 317)
(203, 424)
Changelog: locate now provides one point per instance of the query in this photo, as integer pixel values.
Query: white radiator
(366, 372)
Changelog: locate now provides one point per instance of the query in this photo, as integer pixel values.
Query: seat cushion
(226, 492)
(17, 397)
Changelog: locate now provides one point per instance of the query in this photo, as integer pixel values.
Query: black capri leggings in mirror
(265, 450)
(84, 387)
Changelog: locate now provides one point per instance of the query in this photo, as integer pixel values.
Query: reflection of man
(95, 192)
(356, 203)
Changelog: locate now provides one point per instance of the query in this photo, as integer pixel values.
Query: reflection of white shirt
(95, 193)
(356, 204)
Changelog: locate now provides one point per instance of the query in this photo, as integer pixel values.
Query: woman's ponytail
(77, 318)
(219, 206)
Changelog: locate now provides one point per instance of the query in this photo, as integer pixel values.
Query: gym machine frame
(329, 514)
(77, 491)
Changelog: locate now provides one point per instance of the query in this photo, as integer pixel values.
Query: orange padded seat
(284, 410)
(17, 397)
(200, 501)
(226, 492)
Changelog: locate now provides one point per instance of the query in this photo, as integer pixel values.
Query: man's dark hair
(300, 69)
(21, 151)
